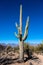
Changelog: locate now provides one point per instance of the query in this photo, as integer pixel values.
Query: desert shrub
(27, 49)
(2, 48)
(8, 48)
(26, 46)
(32, 48)
(16, 49)
(39, 47)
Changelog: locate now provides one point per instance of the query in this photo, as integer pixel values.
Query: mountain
(11, 44)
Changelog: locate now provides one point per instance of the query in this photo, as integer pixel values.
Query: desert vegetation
(34, 48)
(10, 55)
(27, 46)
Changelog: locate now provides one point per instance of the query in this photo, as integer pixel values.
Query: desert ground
(12, 59)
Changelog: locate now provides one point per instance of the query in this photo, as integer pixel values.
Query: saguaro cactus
(19, 35)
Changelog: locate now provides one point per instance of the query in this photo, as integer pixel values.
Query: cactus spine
(19, 35)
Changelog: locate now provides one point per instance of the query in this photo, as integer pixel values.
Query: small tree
(22, 38)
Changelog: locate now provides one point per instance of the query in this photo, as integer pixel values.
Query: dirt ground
(11, 59)
(36, 60)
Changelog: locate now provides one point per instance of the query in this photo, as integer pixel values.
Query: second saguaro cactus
(19, 35)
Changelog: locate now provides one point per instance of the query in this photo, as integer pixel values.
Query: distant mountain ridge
(15, 44)
(11, 44)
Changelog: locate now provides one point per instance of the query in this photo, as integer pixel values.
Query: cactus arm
(16, 35)
(20, 19)
(17, 26)
(26, 29)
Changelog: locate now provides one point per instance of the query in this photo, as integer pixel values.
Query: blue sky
(9, 14)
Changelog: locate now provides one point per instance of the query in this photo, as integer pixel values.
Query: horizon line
(28, 41)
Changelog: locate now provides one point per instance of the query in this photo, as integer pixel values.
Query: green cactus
(19, 35)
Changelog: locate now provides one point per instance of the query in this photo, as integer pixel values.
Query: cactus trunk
(21, 45)
(21, 50)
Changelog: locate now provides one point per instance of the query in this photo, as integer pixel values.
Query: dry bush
(8, 49)
(27, 50)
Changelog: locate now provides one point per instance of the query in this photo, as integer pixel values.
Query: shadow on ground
(35, 58)
(6, 61)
